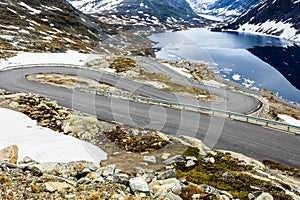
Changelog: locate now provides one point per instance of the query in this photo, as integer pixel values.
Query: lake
(255, 61)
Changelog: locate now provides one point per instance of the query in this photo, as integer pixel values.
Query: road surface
(252, 140)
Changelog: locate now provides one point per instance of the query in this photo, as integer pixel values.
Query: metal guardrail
(212, 111)
(40, 65)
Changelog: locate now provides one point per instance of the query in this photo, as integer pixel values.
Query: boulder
(38, 169)
(259, 195)
(138, 185)
(109, 170)
(164, 186)
(174, 159)
(171, 173)
(121, 178)
(150, 159)
(209, 189)
(10, 154)
(57, 186)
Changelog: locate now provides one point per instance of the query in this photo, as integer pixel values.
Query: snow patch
(289, 120)
(236, 77)
(42, 144)
(23, 58)
(33, 11)
(180, 71)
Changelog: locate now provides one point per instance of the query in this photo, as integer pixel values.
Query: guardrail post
(229, 116)
(288, 129)
(267, 123)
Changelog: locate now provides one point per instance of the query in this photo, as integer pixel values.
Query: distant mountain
(274, 17)
(221, 8)
(47, 25)
(140, 11)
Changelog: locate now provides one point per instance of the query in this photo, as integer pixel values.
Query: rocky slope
(274, 17)
(47, 26)
(140, 12)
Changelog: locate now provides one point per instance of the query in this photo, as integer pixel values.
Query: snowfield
(42, 144)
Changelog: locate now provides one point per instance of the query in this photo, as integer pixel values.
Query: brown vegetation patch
(122, 64)
(140, 143)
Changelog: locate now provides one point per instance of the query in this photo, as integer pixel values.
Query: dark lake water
(254, 61)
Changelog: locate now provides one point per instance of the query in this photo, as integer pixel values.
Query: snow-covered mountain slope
(273, 17)
(48, 25)
(139, 12)
(221, 8)
(200, 6)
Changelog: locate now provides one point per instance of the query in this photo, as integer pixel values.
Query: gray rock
(190, 163)
(134, 132)
(254, 194)
(174, 159)
(149, 175)
(137, 171)
(110, 179)
(138, 185)
(209, 189)
(169, 196)
(171, 173)
(193, 158)
(91, 167)
(109, 170)
(150, 159)
(47, 168)
(183, 182)
(259, 195)
(227, 174)
(121, 178)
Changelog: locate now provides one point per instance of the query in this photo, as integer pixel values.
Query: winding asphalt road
(252, 140)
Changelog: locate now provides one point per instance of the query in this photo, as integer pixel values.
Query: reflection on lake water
(251, 60)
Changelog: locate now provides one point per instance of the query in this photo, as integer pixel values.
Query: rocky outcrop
(47, 113)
